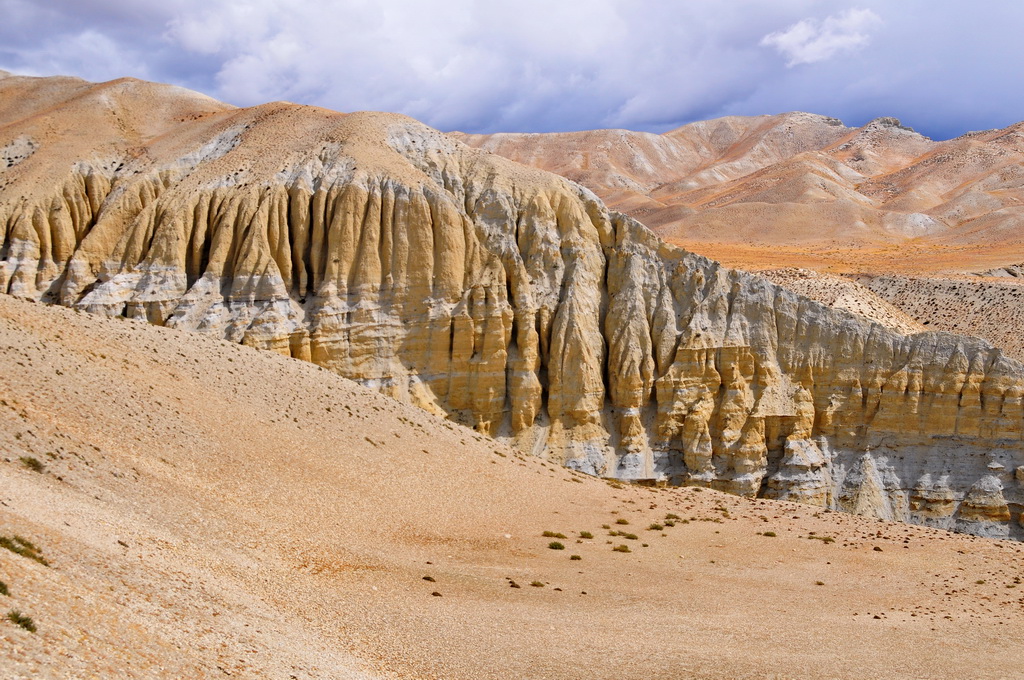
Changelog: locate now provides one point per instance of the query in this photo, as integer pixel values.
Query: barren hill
(819, 193)
(503, 296)
(207, 510)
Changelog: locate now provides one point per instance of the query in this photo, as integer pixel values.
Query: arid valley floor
(210, 510)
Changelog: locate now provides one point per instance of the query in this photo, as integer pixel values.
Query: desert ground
(209, 510)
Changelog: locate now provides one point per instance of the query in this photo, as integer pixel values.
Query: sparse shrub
(586, 534)
(672, 515)
(819, 583)
(669, 523)
(3, 589)
(655, 527)
(552, 534)
(19, 619)
(24, 547)
(575, 557)
(631, 537)
(769, 534)
(555, 545)
(622, 520)
(622, 548)
(980, 581)
(606, 526)
(32, 463)
(536, 584)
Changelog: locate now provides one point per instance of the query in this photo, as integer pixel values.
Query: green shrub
(32, 463)
(586, 534)
(555, 545)
(24, 547)
(19, 619)
(552, 534)
(622, 520)
(769, 534)
(672, 516)
(655, 527)
(575, 557)
(536, 584)
(3, 589)
(622, 548)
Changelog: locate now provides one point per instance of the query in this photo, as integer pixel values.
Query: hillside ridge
(500, 295)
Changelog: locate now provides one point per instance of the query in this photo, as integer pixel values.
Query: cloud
(809, 41)
(536, 65)
(88, 54)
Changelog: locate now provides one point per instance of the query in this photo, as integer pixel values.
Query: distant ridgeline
(502, 296)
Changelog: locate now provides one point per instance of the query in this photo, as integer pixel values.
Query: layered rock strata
(505, 297)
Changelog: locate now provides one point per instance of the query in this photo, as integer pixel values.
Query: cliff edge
(500, 295)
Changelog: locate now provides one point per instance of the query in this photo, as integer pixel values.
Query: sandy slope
(210, 510)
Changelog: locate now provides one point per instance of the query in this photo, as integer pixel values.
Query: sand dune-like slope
(208, 510)
(798, 189)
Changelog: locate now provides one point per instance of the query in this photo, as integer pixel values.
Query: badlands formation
(798, 190)
(503, 296)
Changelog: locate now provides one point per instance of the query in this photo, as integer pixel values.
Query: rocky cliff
(500, 295)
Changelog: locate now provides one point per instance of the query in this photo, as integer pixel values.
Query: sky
(944, 67)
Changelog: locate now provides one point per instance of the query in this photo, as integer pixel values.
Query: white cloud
(88, 54)
(537, 65)
(809, 41)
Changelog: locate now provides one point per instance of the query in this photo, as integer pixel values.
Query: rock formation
(503, 296)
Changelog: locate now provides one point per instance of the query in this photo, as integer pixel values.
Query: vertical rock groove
(513, 300)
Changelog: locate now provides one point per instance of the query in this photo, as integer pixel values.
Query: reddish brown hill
(814, 192)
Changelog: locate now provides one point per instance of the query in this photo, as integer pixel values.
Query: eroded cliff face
(513, 300)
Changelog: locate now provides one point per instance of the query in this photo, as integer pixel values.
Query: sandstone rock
(502, 296)
(985, 502)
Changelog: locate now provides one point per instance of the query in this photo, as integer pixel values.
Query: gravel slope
(210, 510)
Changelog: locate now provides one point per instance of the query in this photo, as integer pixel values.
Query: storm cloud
(532, 65)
